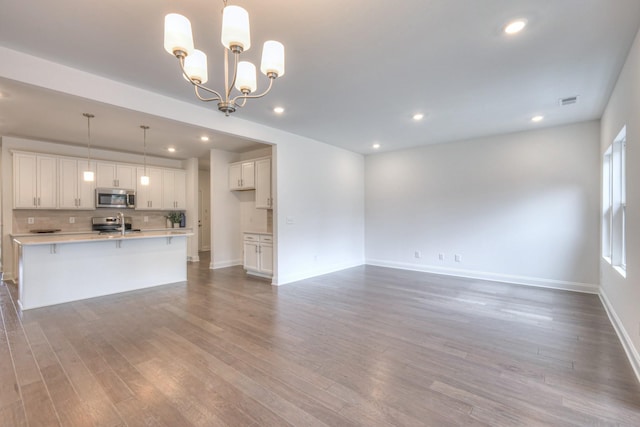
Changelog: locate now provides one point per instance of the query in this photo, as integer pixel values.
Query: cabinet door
(168, 190)
(263, 184)
(47, 184)
(68, 184)
(106, 175)
(248, 176)
(235, 176)
(24, 181)
(86, 189)
(251, 260)
(149, 197)
(266, 258)
(126, 177)
(142, 192)
(180, 189)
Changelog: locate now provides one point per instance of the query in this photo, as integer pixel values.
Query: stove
(111, 224)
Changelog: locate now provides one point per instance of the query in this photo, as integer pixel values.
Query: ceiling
(356, 71)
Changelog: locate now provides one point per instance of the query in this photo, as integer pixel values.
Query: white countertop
(264, 233)
(60, 238)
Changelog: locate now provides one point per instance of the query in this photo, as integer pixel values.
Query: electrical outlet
(31, 220)
(458, 258)
(441, 257)
(417, 254)
(145, 219)
(72, 220)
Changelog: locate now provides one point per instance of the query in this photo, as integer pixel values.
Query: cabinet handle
(38, 201)
(79, 202)
(34, 202)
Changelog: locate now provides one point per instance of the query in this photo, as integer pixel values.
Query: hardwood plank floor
(367, 346)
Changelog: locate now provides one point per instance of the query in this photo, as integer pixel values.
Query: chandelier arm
(197, 85)
(245, 97)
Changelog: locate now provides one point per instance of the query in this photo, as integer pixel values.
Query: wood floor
(368, 346)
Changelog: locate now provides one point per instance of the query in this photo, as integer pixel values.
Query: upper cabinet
(73, 191)
(264, 199)
(115, 175)
(242, 176)
(34, 181)
(149, 197)
(174, 189)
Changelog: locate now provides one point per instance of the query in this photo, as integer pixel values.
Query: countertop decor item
(174, 217)
(178, 41)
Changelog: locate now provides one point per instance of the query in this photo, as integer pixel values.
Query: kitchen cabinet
(115, 175)
(73, 191)
(242, 176)
(149, 197)
(264, 199)
(258, 254)
(174, 189)
(35, 180)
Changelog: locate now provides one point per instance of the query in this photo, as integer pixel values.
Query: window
(614, 204)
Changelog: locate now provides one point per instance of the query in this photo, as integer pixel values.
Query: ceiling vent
(569, 101)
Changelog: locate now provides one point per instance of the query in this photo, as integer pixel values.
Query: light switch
(31, 220)
(290, 220)
(72, 220)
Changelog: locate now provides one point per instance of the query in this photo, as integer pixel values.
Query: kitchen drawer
(251, 237)
(266, 239)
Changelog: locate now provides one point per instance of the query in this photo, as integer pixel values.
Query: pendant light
(144, 179)
(88, 174)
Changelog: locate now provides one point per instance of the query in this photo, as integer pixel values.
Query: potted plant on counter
(174, 218)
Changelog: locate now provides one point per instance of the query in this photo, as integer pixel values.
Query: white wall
(226, 228)
(521, 207)
(622, 296)
(319, 220)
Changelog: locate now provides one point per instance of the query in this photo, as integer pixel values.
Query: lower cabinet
(258, 254)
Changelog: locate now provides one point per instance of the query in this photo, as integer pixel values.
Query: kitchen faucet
(122, 226)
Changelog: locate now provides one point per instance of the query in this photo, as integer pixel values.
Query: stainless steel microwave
(117, 198)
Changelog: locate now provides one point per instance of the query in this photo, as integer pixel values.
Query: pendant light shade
(235, 28)
(177, 34)
(272, 58)
(88, 174)
(144, 179)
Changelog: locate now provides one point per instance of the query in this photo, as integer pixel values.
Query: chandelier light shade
(195, 67)
(88, 174)
(241, 75)
(272, 58)
(177, 34)
(235, 28)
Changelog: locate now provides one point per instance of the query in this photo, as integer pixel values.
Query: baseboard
(587, 288)
(309, 274)
(224, 264)
(623, 336)
(193, 258)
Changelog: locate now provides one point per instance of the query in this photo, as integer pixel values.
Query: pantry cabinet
(73, 191)
(264, 199)
(35, 180)
(258, 254)
(242, 176)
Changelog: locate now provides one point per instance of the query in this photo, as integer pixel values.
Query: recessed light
(278, 110)
(537, 118)
(376, 146)
(418, 116)
(171, 150)
(204, 138)
(515, 27)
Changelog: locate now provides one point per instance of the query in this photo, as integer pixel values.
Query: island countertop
(53, 238)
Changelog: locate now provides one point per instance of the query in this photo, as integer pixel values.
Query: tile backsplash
(82, 219)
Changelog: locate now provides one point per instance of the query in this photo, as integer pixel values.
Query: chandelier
(178, 41)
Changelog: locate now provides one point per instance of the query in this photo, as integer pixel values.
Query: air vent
(568, 101)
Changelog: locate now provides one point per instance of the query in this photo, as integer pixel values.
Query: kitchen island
(54, 269)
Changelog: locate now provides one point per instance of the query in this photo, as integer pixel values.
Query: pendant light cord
(89, 117)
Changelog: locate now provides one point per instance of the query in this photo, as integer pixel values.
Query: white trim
(309, 274)
(587, 288)
(225, 264)
(193, 258)
(625, 340)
